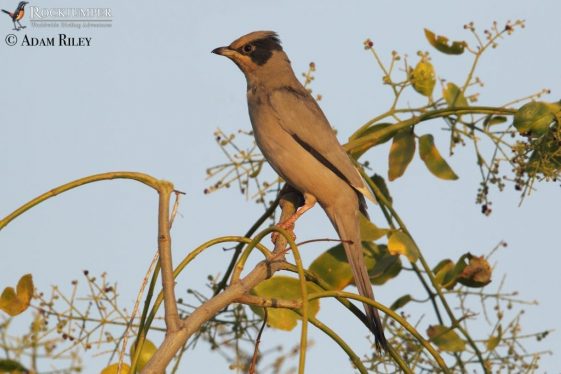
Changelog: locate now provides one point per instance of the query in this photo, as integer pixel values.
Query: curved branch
(390, 313)
(140, 177)
(358, 140)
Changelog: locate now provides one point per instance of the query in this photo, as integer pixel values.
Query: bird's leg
(15, 26)
(20, 25)
(288, 224)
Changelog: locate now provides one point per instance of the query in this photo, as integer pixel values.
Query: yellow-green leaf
(493, 120)
(454, 96)
(441, 43)
(494, 341)
(546, 156)
(286, 288)
(382, 266)
(445, 338)
(12, 367)
(114, 369)
(401, 302)
(369, 231)
(381, 184)
(535, 118)
(400, 243)
(374, 135)
(146, 352)
(423, 77)
(333, 268)
(401, 153)
(15, 302)
(433, 160)
(444, 274)
(469, 270)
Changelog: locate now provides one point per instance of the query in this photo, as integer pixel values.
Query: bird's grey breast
(273, 141)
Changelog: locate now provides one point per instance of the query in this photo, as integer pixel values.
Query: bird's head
(258, 54)
(23, 3)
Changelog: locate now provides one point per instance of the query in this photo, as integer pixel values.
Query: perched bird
(299, 143)
(17, 15)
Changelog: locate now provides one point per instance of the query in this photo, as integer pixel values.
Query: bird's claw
(286, 226)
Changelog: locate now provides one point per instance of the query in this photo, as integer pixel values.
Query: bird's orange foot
(288, 226)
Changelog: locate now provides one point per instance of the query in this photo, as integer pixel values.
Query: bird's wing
(301, 117)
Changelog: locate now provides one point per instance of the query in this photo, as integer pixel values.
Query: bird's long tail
(5, 11)
(346, 223)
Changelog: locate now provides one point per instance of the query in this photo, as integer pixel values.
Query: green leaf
(423, 77)
(382, 266)
(469, 270)
(332, 266)
(379, 181)
(376, 134)
(399, 243)
(15, 302)
(445, 338)
(454, 96)
(401, 302)
(401, 153)
(535, 118)
(441, 43)
(493, 120)
(433, 160)
(11, 366)
(286, 288)
(546, 156)
(369, 231)
(443, 274)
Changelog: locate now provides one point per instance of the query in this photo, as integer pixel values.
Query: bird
(17, 15)
(299, 143)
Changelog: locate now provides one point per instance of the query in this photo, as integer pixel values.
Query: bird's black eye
(248, 48)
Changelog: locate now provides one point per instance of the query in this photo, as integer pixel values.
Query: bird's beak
(223, 51)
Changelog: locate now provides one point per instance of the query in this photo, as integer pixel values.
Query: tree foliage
(473, 324)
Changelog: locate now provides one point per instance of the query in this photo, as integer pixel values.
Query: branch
(164, 248)
(140, 177)
(174, 340)
(357, 139)
(238, 249)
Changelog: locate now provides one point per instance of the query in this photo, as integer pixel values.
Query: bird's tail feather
(349, 232)
(5, 11)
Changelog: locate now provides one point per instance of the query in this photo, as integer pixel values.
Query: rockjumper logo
(17, 15)
(70, 17)
(39, 17)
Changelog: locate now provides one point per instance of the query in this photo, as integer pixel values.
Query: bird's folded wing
(300, 116)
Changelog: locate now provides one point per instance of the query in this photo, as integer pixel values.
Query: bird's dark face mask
(251, 51)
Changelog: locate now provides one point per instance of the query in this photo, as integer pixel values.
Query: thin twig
(253, 364)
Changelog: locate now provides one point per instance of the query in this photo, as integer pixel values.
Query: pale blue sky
(147, 96)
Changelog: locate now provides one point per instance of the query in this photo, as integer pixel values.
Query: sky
(147, 95)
